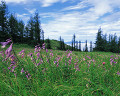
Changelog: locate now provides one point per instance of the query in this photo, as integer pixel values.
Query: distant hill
(55, 44)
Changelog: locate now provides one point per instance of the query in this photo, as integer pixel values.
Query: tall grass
(42, 72)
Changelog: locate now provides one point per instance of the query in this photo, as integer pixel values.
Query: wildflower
(30, 54)
(51, 54)
(57, 64)
(8, 51)
(13, 68)
(8, 68)
(38, 55)
(54, 62)
(28, 75)
(84, 59)
(88, 57)
(43, 46)
(39, 63)
(103, 63)
(15, 74)
(118, 73)
(22, 71)
(5, 43)
(46, 50)
(21, 52)
(68, 55)
(37, 48)
(12, 58)
(1, 52)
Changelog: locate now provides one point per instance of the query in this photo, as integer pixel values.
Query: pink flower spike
(5, 43)
(9, 49)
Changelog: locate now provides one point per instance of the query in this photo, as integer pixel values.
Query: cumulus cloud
(68, 24)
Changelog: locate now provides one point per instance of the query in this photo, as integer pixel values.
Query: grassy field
(39, 72)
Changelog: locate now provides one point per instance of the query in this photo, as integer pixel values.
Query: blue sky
(66, 17)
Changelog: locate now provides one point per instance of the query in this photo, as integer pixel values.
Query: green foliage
(73, 73)
(102, 44)
(4, 28)
(48, 43)
(13, 25)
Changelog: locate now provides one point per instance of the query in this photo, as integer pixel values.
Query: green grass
(80, 74)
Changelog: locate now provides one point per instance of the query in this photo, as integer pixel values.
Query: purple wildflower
(8, 51)
(30, 54)
(57, 64)
(88, 57)
(15, 74)
(43, 46)
(46, 50)
(21, 52)
(5, 43)
(54, 62)
(77, 68)
(39, 63)
(12, 58)
(37, 48)
(28, 75)
(9, 68)
(13, 68)
(118, 73)
(22, 71)
(1, 52)
(38, 55)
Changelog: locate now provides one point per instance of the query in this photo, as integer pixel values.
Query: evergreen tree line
(107, 44)
(76, 45)
(11, 27)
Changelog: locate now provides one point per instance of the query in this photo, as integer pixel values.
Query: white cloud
(46, 3)
(24, 17)
(16, 1)
(31, 11)
(66, 25)
(80, 5)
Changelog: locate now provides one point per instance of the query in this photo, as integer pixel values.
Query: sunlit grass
(58, 73)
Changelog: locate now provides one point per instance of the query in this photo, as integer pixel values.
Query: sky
(67, 17)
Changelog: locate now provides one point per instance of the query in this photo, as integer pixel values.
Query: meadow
(27, 71)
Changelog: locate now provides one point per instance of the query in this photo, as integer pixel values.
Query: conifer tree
(72, 45)
(21, 30)
(4, 30)
(99, 41)
(13, 28)
(42, 36)
(74, 41)
(76, 46)
(61, 46)
(31, 28)
(48, 44)
(37, 27)
(86, 48)
(90, 46)
(79, 45)
(119, 45)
